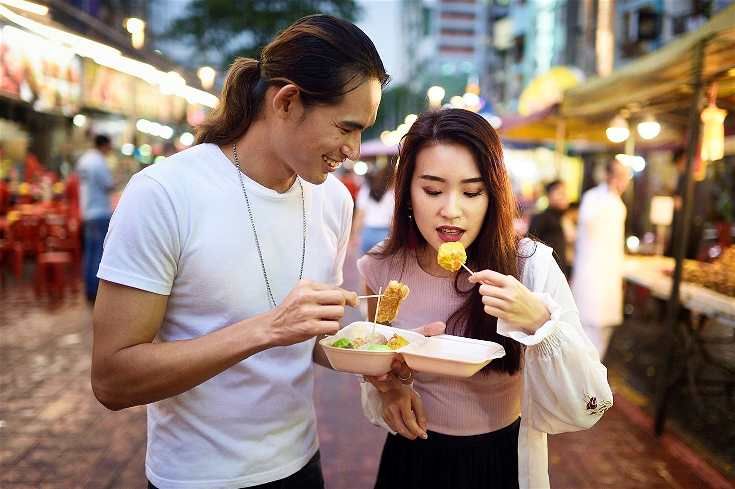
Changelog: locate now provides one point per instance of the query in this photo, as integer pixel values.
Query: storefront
(58, 88)
(40, 89)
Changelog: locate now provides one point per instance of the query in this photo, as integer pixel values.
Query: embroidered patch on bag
(595, 408)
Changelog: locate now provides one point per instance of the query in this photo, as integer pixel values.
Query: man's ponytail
(324, 56)
(239, 104)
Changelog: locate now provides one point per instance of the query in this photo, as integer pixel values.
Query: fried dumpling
(391, 300)
(451, 256)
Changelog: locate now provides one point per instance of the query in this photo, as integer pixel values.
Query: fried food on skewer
(391, 300)
(451, 256)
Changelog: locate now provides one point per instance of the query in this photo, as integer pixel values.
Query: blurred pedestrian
(597, 280)
(223, 262)
(452, 186)
(547, 225)
(375, 203)
(569, 225)
(700, 210)
(349, 180)
(96, 184)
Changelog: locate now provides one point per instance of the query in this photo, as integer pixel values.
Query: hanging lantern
(649, 127)
(713, 133)
(618, 130)
(713, 130)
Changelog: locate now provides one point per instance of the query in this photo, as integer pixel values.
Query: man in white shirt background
(96, 183)
(597, 279)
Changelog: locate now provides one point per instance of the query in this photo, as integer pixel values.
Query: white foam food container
(449, 355)
(366, 362)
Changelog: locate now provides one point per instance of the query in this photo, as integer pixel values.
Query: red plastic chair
(52, 273)
(3, 256)
(61, 233)
(24, 238)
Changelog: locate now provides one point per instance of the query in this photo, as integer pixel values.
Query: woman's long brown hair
(496, 246)
(326, 57)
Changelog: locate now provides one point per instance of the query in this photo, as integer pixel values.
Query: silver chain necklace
(255, 233)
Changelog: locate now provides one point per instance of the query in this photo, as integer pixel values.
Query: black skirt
(486, 461)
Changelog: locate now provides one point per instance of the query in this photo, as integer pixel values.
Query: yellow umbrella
(548, 88)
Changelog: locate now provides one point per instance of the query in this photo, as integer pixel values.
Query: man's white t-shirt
(182, 229)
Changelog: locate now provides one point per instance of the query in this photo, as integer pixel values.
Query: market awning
(547, 125)
(376, 147)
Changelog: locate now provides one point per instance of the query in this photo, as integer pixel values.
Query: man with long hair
(222, 264)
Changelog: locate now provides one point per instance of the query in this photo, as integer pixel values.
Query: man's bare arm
(129, 369)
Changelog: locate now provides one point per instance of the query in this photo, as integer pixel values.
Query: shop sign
(150, 103)
(38, 71)
(112, 91)
(107, 89)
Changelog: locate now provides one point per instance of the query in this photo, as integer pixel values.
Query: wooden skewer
(360, 297)
(377, 307)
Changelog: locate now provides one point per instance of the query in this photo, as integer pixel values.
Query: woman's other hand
(399, 375)
(400, 372)
(506, 298)
(404, 413)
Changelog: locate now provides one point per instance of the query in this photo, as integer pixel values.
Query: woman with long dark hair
(488, 430)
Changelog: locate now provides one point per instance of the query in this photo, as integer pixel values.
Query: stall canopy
(548, 89)
(375, 147)
(549, 125)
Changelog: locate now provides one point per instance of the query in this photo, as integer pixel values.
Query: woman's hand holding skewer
(508, 299)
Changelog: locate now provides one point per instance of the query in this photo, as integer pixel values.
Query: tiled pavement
(54, 434)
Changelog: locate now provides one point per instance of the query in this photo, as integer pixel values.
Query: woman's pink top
(482, 403)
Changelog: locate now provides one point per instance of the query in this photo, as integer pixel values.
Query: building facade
(593, 36)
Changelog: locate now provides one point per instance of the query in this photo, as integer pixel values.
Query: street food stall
(687, 87)
(707, 293)
(671, 84)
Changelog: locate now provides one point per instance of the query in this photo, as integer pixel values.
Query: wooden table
(694, 359)
(651, 272)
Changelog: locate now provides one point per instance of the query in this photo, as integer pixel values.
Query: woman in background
(374, 205)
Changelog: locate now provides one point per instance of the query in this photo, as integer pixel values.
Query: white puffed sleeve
(565, 386)
(372, 405)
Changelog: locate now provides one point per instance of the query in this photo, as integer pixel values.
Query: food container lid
(455, 349)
